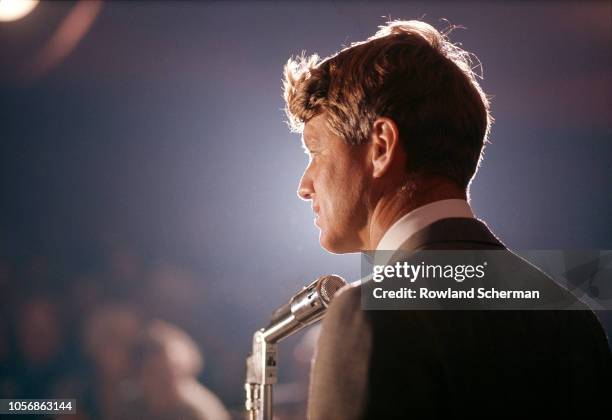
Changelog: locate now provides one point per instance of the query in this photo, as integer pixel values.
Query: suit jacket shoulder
(438, 364)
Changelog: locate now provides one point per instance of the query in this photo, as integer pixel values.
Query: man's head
(398, 110)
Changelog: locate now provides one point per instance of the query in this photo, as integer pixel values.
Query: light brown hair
(409, 72)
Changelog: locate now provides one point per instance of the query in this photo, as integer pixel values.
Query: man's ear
(385, 145)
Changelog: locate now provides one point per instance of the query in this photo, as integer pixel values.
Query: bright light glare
(15, 9)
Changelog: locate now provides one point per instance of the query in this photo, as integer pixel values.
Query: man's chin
(335, 245)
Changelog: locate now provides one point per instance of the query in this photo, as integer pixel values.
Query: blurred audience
(112, 334)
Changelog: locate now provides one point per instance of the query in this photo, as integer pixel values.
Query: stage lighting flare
(15, 9)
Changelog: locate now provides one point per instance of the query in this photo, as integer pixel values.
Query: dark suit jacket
(458, 364)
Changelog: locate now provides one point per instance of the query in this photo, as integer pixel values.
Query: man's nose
(305, 189)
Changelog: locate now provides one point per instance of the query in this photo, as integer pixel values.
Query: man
(395, 127)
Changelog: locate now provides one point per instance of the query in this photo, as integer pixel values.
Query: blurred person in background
(41, 347)
(180, 296)
(109, 337)
(168, 363)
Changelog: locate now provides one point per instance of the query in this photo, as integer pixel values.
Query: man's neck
(393, 206)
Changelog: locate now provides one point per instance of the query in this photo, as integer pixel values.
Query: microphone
(304, 308)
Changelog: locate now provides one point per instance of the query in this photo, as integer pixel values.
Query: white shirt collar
(421, 217)
(411, 223)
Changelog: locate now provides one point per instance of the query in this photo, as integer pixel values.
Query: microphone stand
(261, 376)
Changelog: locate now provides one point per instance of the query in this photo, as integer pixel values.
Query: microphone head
(304, 308)
(328, 286)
